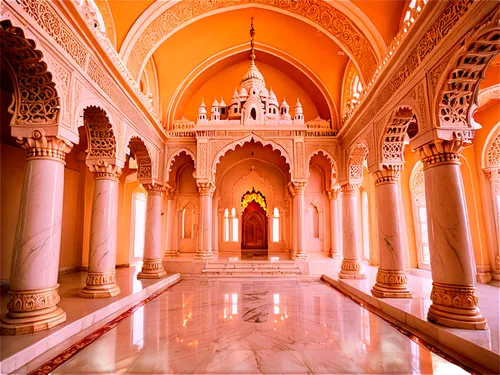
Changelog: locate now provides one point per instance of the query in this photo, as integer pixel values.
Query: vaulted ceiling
(184, 51)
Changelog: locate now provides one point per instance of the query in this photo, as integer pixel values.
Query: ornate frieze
(101, 278)
(103, 170)
(154, 189)
(441, 151)
(41, 147)
(205, 188)
(32, 300)
(350, 265)
(350, 189)
(388, 174)
(462, 297)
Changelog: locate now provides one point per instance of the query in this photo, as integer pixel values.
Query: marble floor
(202, 326)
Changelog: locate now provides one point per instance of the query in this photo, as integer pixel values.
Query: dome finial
(252, 34)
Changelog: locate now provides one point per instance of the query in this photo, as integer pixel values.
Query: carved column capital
(299, 186)
(105, 171)
(41, 147)
(205, 188)
(388, 174)
(492, 174)
(441, 152)
(350, 188)
(154, 189)
(333, 194)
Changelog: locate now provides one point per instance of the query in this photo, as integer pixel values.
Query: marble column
(454, 301)
(215, 225)
(171, 232)
(152, 266)
(391, 279)
(351, 262)
(493, 179)
(33, 297)
(205, 191)
(293, 225)
(335, 250)
(101, 277)
(299, 188)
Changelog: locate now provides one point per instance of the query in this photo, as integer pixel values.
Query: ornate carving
(32, 300)
(143, 158)
(391, 278)
(333, 194)
(205, 188)
(459, 89)
(102, 141)
(152, 269)
(154, 189)
(318, 123)
(103, 170)
(323, 14)
(38, 101)
(299, 186)
(183, 124)
(493, 152)
(299, 158)
(351, 265)
(393, 145)
(388, 174)
(441, 151)
(101, 278)
(422, 105)
(418, 184)
(202, 159)
(39, 146)
(490, 93)
(454, 296)
(350, 189)
(358, 155)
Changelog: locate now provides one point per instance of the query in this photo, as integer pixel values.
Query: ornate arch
(36, 100)
(459, 84)
(150, 32)
(357, 156)
(417, 182)
(330, 158)
(174, 155)
(402, 122)
(143, 158)
(101, 137)
(217, 58)
(231, 146)
(491, 150)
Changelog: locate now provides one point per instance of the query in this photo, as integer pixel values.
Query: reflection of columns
(335, 251)
(493, 178)
(391, 278)
(205, 191)
(351, 265)
(101, 277)
(293, 225)
(171, 250)
(454, 302)
(32, 298)
(152, 266)
(300, 222)
(215, 224)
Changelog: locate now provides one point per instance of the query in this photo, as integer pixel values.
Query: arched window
(417, 188)
(234, 223)
(276, 225)
(226, 225)
(187, 221)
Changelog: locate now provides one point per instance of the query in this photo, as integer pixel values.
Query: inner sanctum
(250, 186)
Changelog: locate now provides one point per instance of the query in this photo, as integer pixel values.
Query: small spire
(252, 34)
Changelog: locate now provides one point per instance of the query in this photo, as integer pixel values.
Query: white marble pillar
(454, 302)
(205, 191)
(171, 250)
(299, 188)
(215, 225)
(152, 266)
(335, 249)
(33, 297)
(391, 279)
(293, 225)
(493, 180)
(351, 262)
(101, 277)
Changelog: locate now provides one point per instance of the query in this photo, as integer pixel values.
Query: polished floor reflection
(254, 327)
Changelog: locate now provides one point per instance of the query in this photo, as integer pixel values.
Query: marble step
(251, 269)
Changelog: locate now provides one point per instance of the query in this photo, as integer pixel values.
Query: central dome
(253, 76)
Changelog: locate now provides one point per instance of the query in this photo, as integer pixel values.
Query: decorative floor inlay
(248, 327)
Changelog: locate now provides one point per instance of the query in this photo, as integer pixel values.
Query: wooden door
(254, 227)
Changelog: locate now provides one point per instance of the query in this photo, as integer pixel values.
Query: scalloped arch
(172, 158)
(143, 156)
(231, 146)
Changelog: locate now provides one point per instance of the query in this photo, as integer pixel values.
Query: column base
(335, 254)
(301, 256)
(483, 274)
(100, 285)
(391, 284)
(152, 269)
(31, 311)
(455, 306)
(351, 269)
(203, 255)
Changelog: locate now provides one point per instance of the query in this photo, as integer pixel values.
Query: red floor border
(416, 339)
(74, 349)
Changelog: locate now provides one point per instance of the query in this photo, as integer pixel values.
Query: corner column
(152, 266)
(454, 301)
(335, 251)
(101, 277)
(391, 278)
(205, 191)
(299, 201)
(33, 297)
(351, 263)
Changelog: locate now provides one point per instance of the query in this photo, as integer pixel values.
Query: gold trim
(391, 284)
(152, 269)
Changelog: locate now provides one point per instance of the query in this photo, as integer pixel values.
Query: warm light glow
(139, 224)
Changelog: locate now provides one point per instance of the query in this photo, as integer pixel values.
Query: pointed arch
(143, 158)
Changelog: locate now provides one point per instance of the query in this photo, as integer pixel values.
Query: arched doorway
(254, 223)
